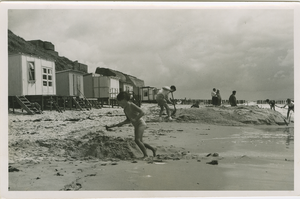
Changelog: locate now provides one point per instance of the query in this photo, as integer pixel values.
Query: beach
(244, 148)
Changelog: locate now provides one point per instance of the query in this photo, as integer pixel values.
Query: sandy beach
(246, 148)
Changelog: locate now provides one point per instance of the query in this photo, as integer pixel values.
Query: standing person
(219, 98)
(290, 105)
(271, 103)
(214, 98)
(134, 115)
(232, 99)
(162, 99)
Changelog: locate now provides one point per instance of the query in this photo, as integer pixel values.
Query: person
(219, 98)
(214, 98)
(290, 105)
(271, 103)
(232, 99)
(134, 116)
(196, 105)
(162, 98)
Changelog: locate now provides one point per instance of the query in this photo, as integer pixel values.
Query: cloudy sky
(249, 50)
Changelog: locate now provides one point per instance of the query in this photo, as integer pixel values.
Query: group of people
(134, 116)
(217, 99)
(289, 104)
(134, 113)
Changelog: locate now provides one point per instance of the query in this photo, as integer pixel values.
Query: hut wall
(148, 94)
(114, 88)
(76, 84)
(63, 84)
(127, 87)
(88, 85)
(70, 83)
(15, 76)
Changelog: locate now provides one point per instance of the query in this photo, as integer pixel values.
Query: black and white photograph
(156, 99)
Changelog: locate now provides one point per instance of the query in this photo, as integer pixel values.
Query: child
(162, 99)
(196, 105)
(271, 103)
(290, 105)
(134, 115)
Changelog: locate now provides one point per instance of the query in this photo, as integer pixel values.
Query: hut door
(47, 81)
(76, 85)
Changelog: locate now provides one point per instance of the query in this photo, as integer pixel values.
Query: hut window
(31, 72)
(145, 93)
(47, 77)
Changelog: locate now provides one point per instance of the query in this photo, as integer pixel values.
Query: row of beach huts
(32, 79)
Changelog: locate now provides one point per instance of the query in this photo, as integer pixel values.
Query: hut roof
(70, 70)
(135, 81)
(109, 72)
(30, 55)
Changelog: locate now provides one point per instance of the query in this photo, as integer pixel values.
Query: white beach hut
(30, 75)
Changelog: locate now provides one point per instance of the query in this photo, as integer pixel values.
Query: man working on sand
(290, 105)
(232, 99)
(134, 116)
(271, 103)
(162, 99)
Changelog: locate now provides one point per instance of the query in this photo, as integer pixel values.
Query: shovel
(174, 111)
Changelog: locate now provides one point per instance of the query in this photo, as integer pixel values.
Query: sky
(247, 50)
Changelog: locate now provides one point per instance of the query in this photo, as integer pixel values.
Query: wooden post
(42, 102)
(50, 103)
(64, 103)
(13, 102)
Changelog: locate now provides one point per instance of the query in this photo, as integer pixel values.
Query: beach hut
(30, 75)
(148, 94)
(70, 89)
(98, 86)
(70, 83)
(31, 79)
(137, 84)
(124, 83)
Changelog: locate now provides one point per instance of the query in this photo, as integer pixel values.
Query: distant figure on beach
(232, 99)
(219, 98)
(196, 105)
(162, 99)
(290, 105)
(271, 103)
(214, 98)
(134, 116)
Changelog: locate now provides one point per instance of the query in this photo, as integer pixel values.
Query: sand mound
(88, 146)
(225, 115)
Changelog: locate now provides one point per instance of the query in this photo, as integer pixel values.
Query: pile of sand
(225, 115)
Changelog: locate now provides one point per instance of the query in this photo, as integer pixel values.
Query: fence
(205, 102)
